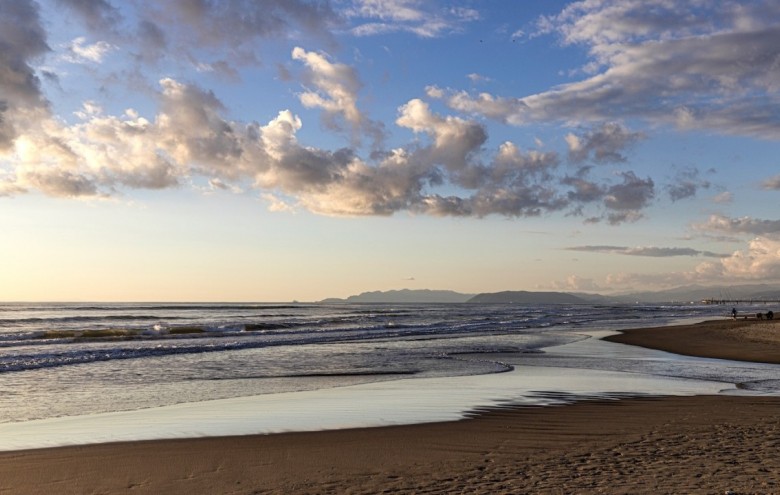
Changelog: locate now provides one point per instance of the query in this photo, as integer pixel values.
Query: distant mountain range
(697, 293)
(524, 297)
(679, 295)
(405, 296)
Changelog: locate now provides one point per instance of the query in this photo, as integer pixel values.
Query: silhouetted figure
(770, 315)
(734, 313)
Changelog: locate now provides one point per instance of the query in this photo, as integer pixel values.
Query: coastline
(700, 443)
(749, 340)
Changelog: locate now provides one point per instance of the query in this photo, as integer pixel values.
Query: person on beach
(734, 313)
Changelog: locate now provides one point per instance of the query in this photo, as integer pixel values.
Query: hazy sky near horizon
(274, 150)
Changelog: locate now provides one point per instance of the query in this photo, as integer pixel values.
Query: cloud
(627, 199)
(686, 184)
(477, 78)
(80, 52)
(446, 171)
(335, 91)
(602, 145)
(192, 130)
(231, 22)
(8, 186)
(99, 15)
(94, 157)
(700, 65)
(723, 198)
(602, 22)
(277, 204)
(454, 139)
(221, 68)
(575, 283)
(649, 251)
(426, 20)
(772, 183)
(60, 183)
(197, 31)
(644, 281)
(152, 41)
(501, 109)
(22, 41)
(743, 225)
(216, 184)
(760, 261)
(584, 190)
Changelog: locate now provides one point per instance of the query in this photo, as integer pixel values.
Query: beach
(702, 444)
(735, 339)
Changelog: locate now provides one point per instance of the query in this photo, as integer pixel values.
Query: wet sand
(707, 444)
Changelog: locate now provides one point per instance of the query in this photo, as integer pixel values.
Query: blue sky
(292, 149)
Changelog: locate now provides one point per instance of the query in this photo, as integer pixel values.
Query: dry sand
(741, 339)
(710, 444)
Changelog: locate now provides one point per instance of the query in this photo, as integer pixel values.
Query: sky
(276, 150)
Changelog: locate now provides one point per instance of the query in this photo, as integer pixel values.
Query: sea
(153, 370)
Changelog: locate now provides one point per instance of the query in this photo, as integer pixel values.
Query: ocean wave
(768, 386)
(58, 320)
(128, 331)
(73, 347)
(110, 309)
(25, 362)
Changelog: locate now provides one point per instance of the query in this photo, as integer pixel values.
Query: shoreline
(706, 443)
(748, 340)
